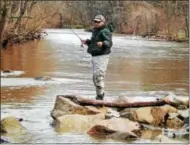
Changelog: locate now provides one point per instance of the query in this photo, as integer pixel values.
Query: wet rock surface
(11, 125)
(76, 122)
(116, 128)
(120, 124)
(165, 116)
(64, 106)
(12, 131)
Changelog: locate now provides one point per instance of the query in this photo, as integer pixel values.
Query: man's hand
(83, 41)
(99, 44)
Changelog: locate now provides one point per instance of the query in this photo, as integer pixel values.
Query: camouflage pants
(99, 67)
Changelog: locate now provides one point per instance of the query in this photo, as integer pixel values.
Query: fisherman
(99, 46)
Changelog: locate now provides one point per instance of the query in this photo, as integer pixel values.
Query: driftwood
(93, 102)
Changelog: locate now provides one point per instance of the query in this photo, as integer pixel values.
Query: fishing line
(77, 36)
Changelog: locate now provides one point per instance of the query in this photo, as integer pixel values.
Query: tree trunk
(22, 11)
(85, 101)
(3, 21)
(187, 24)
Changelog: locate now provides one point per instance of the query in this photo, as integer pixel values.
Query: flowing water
(137, 67)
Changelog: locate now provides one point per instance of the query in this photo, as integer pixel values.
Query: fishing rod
(78, 37)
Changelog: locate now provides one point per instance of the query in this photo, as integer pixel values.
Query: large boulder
(153, 115)
(76, 122)
(64, 106)
(116, 128)
(157, 116)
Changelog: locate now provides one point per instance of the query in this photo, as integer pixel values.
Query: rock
(186, 122)
(150, 134)
(64, 106)
(10, 125)
(168, 109)
(112, 113)
(175, 123)
(77, 123)
(151, 115)
(176, 120)
(183, 113)
(127, 113)
(182, 107)
(109, 112)
(98, 109)
(43, 78)
(181, 35)
(172, 115)
(143, 115)
(177, 101)
(116, 128)
(184, 116)
(12, 131)
(7, 71)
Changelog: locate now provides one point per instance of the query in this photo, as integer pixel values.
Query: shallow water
(137, 67)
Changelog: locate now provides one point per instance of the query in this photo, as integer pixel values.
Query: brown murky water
(137, 67)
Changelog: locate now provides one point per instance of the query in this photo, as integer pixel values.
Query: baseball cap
(99, 18)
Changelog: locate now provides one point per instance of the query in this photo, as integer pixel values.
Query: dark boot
(100, 97)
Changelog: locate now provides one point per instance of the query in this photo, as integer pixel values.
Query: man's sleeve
(107, 36)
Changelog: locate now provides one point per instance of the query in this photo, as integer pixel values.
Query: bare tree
(3, 18)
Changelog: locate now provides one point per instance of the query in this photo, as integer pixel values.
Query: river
(137, 67)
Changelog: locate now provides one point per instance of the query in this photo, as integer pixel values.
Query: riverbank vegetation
(21, 21)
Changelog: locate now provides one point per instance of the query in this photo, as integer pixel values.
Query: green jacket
(104, 35)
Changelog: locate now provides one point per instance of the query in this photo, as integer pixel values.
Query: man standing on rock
(99, 46)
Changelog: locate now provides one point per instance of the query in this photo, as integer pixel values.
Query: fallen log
(93, 102)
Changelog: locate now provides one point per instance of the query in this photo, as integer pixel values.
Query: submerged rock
(43, 78)
(76, 122)
(116, 128)
(11, 125)
(7, 71)
(12, 131)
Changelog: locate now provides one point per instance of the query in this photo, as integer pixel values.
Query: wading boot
(100, 97)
